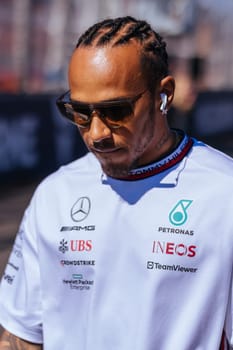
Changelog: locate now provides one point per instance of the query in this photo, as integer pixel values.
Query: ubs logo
(80, 209)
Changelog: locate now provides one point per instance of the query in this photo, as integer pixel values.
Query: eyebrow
(116, 99)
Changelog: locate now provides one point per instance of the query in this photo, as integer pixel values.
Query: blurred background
(37, 38)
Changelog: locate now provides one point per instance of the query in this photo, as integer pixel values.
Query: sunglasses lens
(82, 115)
(116, 115)
(68, 112)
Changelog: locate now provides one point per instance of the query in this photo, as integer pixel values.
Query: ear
(167, 87)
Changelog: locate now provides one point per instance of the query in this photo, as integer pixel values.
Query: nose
(98, 130)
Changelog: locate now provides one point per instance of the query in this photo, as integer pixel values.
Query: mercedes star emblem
(80, 209)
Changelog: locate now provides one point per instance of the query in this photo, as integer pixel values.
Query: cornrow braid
(88, 37)
(122, 31)
(108, 36)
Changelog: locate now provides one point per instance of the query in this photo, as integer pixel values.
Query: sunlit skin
(9, 341)
(107, 73)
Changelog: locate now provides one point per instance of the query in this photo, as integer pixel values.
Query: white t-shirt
(143, 263)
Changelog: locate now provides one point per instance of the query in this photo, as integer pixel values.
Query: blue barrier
(34, 139)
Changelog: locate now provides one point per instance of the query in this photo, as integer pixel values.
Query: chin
(117, 170)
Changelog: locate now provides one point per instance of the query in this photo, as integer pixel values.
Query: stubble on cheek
(147, 136)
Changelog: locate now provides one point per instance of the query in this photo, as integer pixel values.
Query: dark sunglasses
(114, 113)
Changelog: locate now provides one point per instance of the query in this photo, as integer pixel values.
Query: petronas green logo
(178, 215)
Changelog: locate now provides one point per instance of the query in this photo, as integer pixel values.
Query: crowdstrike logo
(178, 215)
(80, 209)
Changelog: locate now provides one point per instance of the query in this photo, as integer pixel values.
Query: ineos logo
(80, 209)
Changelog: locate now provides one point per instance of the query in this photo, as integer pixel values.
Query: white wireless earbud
(163, 106)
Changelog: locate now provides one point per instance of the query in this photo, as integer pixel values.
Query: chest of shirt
(159, 229)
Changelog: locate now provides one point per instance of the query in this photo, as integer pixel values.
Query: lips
(104, 150)
(104, 146)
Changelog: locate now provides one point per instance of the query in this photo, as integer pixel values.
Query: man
(129, 247)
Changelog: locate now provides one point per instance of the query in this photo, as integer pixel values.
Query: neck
(174, 139)
(178, 150)
(165, 145)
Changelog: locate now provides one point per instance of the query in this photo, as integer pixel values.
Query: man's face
(103, 74)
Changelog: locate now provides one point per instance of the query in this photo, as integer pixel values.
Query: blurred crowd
(38, 36)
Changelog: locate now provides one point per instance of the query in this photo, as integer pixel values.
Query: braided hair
(124, 30)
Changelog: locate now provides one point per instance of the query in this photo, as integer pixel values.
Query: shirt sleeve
(20, 292)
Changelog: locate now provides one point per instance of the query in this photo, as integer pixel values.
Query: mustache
(103, 144)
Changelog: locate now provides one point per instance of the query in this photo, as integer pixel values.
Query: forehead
(105, 72)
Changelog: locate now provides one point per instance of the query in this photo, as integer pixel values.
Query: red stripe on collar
(175, 157)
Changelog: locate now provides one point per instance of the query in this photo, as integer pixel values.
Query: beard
(134, 154)
(116, 170)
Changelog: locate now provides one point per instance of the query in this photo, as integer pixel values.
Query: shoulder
(81, 166)
(211, 160)
(77, 173)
